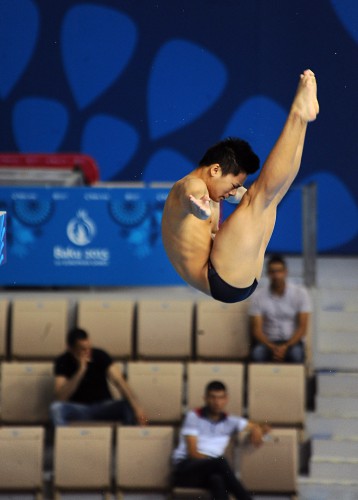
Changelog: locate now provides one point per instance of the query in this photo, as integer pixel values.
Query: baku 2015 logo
(81, 229)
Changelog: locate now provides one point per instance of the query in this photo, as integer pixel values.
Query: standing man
(198, 460)
(229, 267)
(81, 386)
(279, 316)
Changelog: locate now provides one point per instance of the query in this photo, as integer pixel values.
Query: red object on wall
(68, 161)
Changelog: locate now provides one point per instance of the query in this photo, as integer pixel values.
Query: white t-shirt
(279, 312)
(212, 436)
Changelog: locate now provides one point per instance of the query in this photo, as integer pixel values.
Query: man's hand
(257, 434)
(141, 416)
(279, 352)
(200, 207)
(83, 360)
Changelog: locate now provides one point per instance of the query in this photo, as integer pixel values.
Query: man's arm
(301, 330)
(258, 332)
(195, 199)
(256, 432)
(116, 377)
(65, 387)
(298, 334)
(192, 450)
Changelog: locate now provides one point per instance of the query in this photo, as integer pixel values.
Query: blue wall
(144, 86)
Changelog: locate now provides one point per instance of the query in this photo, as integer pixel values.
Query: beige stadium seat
(231, 374)
(21, 459)
(39, 328)
(143, 458)
(82, 459)
(276, 393)
(222, 330)
(159, 388)
(26, 391)
(164, 329)
(109, 324)
(273, 466)
(4, 313)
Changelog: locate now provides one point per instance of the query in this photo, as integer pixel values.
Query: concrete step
(330, 383)
(337, 340)
(335, 448)
(333, 320)
(343, 361)
(337, 406)
(320, 426)
(339, 299)
(326, 489)
(334, 468)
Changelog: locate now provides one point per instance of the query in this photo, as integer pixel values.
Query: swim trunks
(222, 291)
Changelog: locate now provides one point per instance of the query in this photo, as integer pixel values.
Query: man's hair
(215, 385)
(234, 155)
(74, 335)
(276, 259)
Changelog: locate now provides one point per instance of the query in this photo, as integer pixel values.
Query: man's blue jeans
(294, 354)
(64, 412)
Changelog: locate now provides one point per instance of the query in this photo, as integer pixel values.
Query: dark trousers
(213, 474)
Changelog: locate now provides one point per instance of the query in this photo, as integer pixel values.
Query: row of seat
(86, 457)
(166, 389)
(127, 329)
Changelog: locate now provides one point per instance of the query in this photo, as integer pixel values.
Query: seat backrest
(231, 374)
(21, 458)
(159, 388)
(222, 330)
(143, 457)
(109, 324)
(4, 312)
(27, 390)
(82, 457)
(273, 466)
(271, 383)
(164, 329)
(39, 328)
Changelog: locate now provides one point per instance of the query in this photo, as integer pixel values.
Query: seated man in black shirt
(81, 386)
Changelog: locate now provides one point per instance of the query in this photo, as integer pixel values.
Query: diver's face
(222, 186)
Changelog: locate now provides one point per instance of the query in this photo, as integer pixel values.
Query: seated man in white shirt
(198, 460)
(279, 316)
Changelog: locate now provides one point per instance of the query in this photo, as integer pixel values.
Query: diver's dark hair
(234, 155)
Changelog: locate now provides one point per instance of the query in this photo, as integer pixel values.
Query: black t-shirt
(93, 387)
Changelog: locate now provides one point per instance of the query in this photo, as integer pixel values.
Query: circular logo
(81, 229)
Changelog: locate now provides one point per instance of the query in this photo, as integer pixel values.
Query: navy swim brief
(222, 291)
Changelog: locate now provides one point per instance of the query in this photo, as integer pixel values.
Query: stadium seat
(21, 459)
(271, 383)
(273, 466)
(26, 391)
(4, 310)
(159, 388)
(222, 330)
(231, 374)
(39, 328)
(109, 324)
(82, 459)
(164, 329)
(143, 458)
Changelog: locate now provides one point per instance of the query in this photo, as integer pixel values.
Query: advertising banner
(85, 236)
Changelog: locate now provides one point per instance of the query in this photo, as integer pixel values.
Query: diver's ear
(215, 170)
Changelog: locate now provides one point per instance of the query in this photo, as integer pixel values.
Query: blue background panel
(146, 86)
